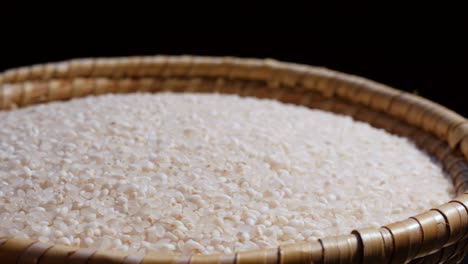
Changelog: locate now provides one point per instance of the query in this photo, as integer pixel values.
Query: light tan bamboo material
(439, 235)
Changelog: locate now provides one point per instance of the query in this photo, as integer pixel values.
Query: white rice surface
(199, 173)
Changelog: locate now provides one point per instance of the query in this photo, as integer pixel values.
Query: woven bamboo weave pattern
(436, 236)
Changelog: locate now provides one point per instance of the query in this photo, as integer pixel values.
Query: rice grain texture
(193, 173)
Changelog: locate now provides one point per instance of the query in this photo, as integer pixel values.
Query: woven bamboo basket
(436, 236)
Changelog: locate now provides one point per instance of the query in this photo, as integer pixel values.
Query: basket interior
(438, 235)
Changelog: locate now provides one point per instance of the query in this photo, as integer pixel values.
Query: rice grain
(192, 173)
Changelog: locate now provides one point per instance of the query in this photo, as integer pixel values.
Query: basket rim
(414, 237)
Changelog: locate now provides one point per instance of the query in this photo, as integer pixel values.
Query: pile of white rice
(202, 174)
